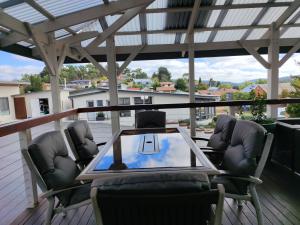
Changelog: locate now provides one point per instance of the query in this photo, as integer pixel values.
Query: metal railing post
(29, 178)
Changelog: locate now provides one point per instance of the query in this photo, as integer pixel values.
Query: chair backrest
(81, 141)
(246, 144)
(165, 198)
(150, 119)
(222, 133)
(47, 157)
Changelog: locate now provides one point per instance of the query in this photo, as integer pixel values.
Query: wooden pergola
(94, 31)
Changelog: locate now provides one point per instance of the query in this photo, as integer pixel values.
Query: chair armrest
(56, 191)
(199, 139)
(209, 151)
(102, 143)
(250, 179)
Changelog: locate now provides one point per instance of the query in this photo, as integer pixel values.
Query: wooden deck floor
(279, 195)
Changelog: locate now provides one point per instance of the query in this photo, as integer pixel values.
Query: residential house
(79, 84)
(100, 97)
(7, 104)
(168, 87)
(260, 89)
(36, 104)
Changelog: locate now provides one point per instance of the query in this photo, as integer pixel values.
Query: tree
(284, 93)
(224, 85)
(294, 109)
(201, 86)
(162, 75)
(180, 84)
(139, 74)
(36, 83)
(155, 83)
(261, 81)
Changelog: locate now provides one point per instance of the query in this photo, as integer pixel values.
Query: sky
(227, 69)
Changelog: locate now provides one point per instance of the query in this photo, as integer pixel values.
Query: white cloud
(23, 59)
(230, 69)
(8, 72)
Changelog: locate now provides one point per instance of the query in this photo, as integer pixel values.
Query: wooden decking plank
(283, 210)
(78, 215)
(238, 212)
(39, 214)
(86, 216)
(234, 220)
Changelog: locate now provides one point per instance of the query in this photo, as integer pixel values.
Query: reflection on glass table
(142, 150)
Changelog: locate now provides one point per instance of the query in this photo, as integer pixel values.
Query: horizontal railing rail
(29, 123)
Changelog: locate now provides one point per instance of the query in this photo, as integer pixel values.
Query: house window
(4, 106)
(124, 101)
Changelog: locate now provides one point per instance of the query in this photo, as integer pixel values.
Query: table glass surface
(147, 150)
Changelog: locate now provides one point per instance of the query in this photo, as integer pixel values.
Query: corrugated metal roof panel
(239, 17)
(60, 33)
(132, 25)
(156, 21)
(128, 40)
(111, 19)
(86, 42)
(292, 16)
(91, 26)
(292, 32)
(213, 18)
(229, 35)
(272, 14)
(257, 33)
(25, 13)
(58, 7)
(248, 1)
(200, 37)
(158, 39)
(158, 4)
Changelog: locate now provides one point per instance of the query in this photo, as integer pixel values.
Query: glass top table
(148, 150)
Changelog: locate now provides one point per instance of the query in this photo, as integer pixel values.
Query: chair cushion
(82, 138)
(231, 186)
(50, 155)
(150, 119)
(246, 144)
(222, 133)
(155, 183)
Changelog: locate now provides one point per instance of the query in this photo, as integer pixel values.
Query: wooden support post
(273, 71)
(192, 84)
(29, 178)
(113, 85)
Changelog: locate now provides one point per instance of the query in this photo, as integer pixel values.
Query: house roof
(160, 25)
(166, 88)
(13, 83)
(281, 87)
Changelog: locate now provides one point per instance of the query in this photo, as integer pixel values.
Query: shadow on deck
(279, 195)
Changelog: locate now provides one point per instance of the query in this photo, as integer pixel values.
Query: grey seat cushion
(246, 144)
(80, 194)
(157, 183)
(156, 198)
(222, 133)
(83, 140)
(50, 155)
(150, 119)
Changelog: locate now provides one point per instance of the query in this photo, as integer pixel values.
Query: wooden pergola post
(273, 71)
(192, 83)
(113, 84)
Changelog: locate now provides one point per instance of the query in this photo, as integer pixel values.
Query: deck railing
(23, 128)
